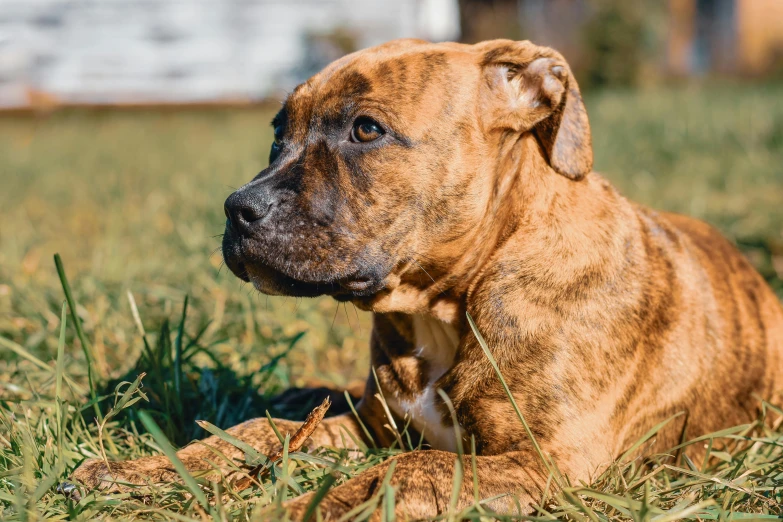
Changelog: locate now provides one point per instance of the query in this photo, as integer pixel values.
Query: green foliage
(613, 44)
(714, 154)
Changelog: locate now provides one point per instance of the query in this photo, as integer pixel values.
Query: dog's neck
(529, 208)
(434, 346)
(436, 342)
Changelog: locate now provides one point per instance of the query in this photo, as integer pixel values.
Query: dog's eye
(366, 129)
(277, 144)
(274, 152)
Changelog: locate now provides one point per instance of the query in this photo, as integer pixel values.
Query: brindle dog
(425, 182)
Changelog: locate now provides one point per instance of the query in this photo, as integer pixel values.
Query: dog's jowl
(425, 182)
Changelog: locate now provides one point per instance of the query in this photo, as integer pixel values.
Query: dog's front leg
(423, 484)
(211, 453)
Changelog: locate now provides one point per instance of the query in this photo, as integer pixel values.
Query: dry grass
(133, 201)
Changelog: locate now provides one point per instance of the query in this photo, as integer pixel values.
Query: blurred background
(124, 124)
(179, 51)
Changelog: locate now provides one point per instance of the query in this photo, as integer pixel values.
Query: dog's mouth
(274, 267)
(271, 281)
(267, 280)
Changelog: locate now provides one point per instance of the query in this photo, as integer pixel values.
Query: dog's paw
(114, 477)
(91, 474)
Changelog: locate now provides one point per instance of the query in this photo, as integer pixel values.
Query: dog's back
(740, 321)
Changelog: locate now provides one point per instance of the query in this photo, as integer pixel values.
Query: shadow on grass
(181, 391)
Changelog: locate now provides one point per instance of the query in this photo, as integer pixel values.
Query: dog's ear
(527, 87)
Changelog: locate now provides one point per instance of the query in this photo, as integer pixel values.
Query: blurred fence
(136, 51)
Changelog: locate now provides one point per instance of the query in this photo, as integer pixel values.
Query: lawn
(132, 202)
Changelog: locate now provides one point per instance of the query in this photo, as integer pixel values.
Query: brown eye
(277, 145)
(278, 134)
(365, 129)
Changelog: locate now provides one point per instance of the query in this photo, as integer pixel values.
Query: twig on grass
(296, 443)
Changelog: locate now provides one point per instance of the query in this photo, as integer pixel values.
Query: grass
(132, 202)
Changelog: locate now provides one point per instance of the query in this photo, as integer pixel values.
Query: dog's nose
(244, 208)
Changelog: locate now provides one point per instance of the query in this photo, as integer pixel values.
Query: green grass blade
(252, 455)
(474, 469)
(23, 353)
(60, 364)
(43, 487)
(616, 501)
(274, 427)
(320, 461)
(318, 497)
(459, 471)
(689, 512)
(388, 503)
(365, 509)
(127, 399)
(715, 435)
(574, 500)
(521, 417)
(171, 453)
(178, 349)
(647, 436)
(359, 419)
(59, 371)
(58, 262)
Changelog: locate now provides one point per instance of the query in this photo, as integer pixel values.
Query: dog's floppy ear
(527, 87)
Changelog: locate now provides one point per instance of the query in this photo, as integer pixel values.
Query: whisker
(358, 319)
(331, 328)
(345, 309)
(422, 269)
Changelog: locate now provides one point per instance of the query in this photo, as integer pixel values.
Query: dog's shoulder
(706, 241)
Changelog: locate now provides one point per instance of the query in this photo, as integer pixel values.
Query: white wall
(114, 51)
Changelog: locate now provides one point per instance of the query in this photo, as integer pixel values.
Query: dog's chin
(269, 281)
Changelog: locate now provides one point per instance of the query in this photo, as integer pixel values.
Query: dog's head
(387, 162)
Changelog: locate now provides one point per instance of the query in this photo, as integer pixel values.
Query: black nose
(243, 208)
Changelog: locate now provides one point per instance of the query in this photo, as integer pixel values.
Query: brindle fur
(604, 316)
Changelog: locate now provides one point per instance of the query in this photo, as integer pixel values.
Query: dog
(432, 183)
